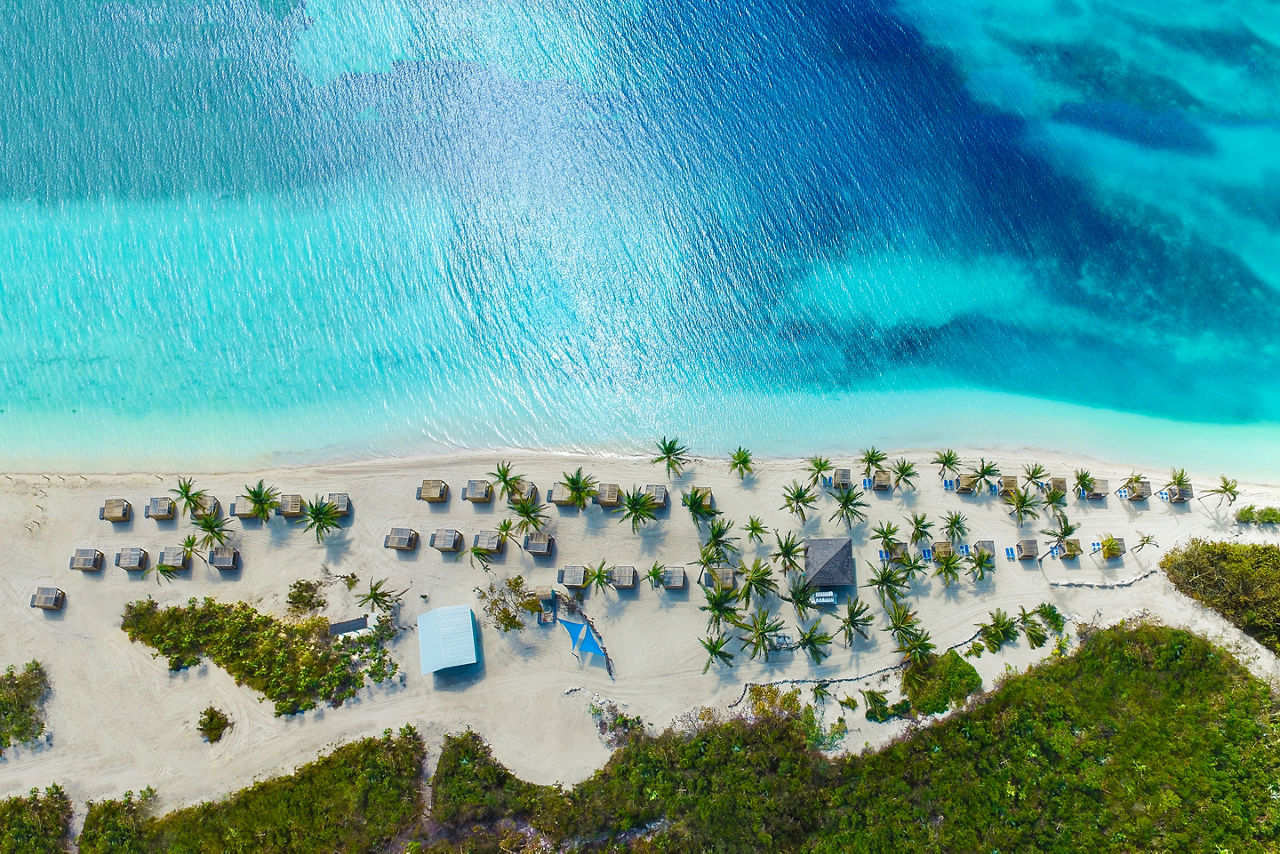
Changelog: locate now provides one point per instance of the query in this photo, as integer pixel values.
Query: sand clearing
(119, 720)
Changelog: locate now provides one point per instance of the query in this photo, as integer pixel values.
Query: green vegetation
(305, 596)
(294, 664)
(321, 517)
(355, 799)
(263, 500)
(940, 682)
(508, 604)
(740, 462)
(35, 824)
(1252, 515)
(1239, 581)
(213, 724)
(673, 455)
(1147, 738)
(20, 697)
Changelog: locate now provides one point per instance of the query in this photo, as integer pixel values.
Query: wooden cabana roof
(478, 492)
(290, 505)
(706, 493)
(608, 495)
(544, 593)
(1140, 491)
(174, 556)
(674, 578)
(1071, 549)
(1008, 483)
(223, 557)
(559, 495)
(658, 493)
(489, 540)
(828, 562)
(434, 491)
(967, 484)
(881, 479)
(622, 577)
(1120, 547)
(842, 478)
(1027, 549)
(207, 505)
(1058, 483)
(132, 559)
(341, 501)
(48, 599)
(720, 577)
(159, 508)
(525, 489)
(401, 539)
(573, 576)
(445, 540)
(942, 549)
(115, 510)
(539, 543)
(86, 559)
(988, 546)
(1101, 489)
(241, 507)
(1181, 495)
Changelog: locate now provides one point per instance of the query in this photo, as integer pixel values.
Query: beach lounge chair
(994, 488)
(224, 558)
(881, 480)
(967, 484)
(824, 598)
(132, 559)
(659, 494)
(48, 599)
(241, 507)
(489, 541)
(608, 495)
(341, 502)
(674, 578)
(478, 492)
(445, 540)
(174, 556)
(290, 506)
(539, 544)
(1009, 554)
(401, 539)
(867, 482)
(559, 495)
(433, 491)
(115, 510)
(87, 560)
(159, 508)
(926, 553)
(622, 577)
(948, 485)
(964, 549)
(573, 577)
(1028, 549)
(1094, 548)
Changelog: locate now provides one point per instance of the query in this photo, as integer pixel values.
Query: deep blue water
(234, 229)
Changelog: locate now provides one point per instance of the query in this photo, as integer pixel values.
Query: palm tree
(581, 488)
(1131, 481)
(947, 461)
(821, 690)
(872, 458)
(598, 576)
(800, 595)
(904, 472)
(1178, 479)
(1055, 500)
(981, 562)
(718, 536)
(755, 529)
(508, 482)
(673, 454)
(214, 530)
(710, 556)
(955, 525)
(857, 618)
(189, 498)
(877, 705)
(985, 473)
(322, 517)
(1084, 481)
(1145, 540)
(740, 463)
(885, 533)
(797, 499)
(262, 500)
(948, 569)
(761, 629)
(166, 571)
(1033, 474)
(189, 547)
(1229, 488)
(699, 506)
(638, 507)
(531, 513)
(902, 620)
(1032, 629)
(917, 647)
(1110, 547)
(757, 581)
(814, 641)
(911, 565)
(788, 552)
(849, 506)
(1001, 630)
(506, 531)
(721, 606)
(818, 466)
(920, 527)
(889, 583)
(1022, 504)
(379, 598)
(480, 555)
(1063, 530)
(656, 574)
(716, 652)
(848, 703)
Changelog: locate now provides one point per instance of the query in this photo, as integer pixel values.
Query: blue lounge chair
(884, 555)
(964, 549)
(1053, 551)
(1123, 492)
(927, 554)
(992, 488)
(1010, 554)
(1097, 547)
(949, 485)
(867, 483)
(1164, 495)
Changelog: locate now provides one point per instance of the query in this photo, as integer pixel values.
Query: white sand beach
(120, 720)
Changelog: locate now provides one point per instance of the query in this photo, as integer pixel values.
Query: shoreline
(103, 709)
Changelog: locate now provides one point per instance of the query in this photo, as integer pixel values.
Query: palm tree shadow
(651, 539)
(337, 544)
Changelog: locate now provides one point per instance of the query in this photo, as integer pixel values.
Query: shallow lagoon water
(240, 232)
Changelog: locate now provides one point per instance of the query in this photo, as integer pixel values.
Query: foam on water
(235, 232)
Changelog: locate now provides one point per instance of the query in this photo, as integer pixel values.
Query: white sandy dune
(120, 720)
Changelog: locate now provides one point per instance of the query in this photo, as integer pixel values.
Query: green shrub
(117, 826)
(213, 723)
(35, 824)
(471, 786)
(1239, 581)
(1247, 515)
(941, 683)
(1252, 515)
(21, 695)
(305, 596)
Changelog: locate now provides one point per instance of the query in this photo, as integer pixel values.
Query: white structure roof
(446, 638)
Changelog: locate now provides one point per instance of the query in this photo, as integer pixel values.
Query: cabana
(559, 495)
(447, 638)
(539, 544)
(173, 556)
(525, 489)
(290, 506)
(573, 577)
(608, 495)
(988, 546)
(1070, 549)
(1059, 484)
(942, 550)
(132, 560)
(897, 551)
(1101, 489)
(48, 599)
(622, 577)
(828, 562)
(674, 578)
(478, 492)
(490, 542)
(224, 558)
(433, 491)
(445, 540)
(341, 503)
(546, 597)
(207, 505)
(881, 480)
(159, 508)
(115, 510)
(720, 577)
(401, 539)
(346, 627)
(242, 507)
(705, 492)
(1140, 491)
(1008, 485)
(1027, 549)
(658, 493)
(1181, 495)
(842, 478)
(1117, 553)
(87, 560)
(966, 484)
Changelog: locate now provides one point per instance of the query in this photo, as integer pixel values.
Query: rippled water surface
(239, 230)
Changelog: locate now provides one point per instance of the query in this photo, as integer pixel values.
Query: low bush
(943, 682)
(21, 695)
(35, 824)
(213, 723)
(1238, 580)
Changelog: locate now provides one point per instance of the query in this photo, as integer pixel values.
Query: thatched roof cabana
(401, 539)
(609, 495)
(622, 577)
(241, 507)
(478, 492)
(48, 599)
(1070, 549)
(705, 492)
(433, 491)
(720, 577)
(290, 505)
(881, 480)
(559, 495)
(86, 560)
(1140, 491)
(159, 508)
(1181, 495)
(174, 556)
(1119, 549)
(842, 478)
(1008, 483)
(988, 546)
(967, 484)
(828, 562)
(658, 493)
(207, 505)
(132, 559)
(526, 489)
(942, 550)
(445, 540)
(539, 543)
(1027, 549)
(674, 578)
(1101, 489)
(490, 541)
(115, 510)
(341, 502)
(224, 558)
(1058, 483)
(574, 577)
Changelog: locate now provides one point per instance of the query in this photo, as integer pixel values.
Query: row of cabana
(436, 491)
(291, 506)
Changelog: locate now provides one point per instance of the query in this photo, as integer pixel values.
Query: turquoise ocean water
(235, 232)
